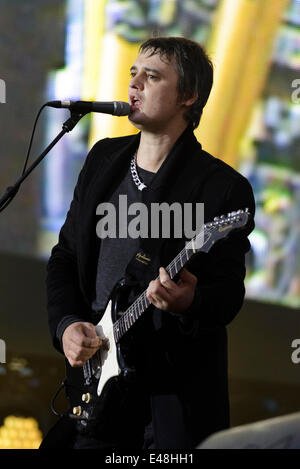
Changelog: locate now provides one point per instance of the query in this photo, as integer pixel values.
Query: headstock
(220, 228)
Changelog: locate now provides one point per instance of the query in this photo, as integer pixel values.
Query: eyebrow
(147, 69)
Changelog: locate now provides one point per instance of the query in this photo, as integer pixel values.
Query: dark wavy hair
(194, 68)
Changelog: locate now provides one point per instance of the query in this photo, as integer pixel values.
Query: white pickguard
(109, 361)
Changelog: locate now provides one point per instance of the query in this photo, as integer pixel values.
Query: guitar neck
(210, 233)
(135, 311)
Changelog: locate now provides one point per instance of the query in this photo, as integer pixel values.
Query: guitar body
(110, 354)
(100, 385)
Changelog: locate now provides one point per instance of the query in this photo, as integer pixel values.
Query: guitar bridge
(87, 373)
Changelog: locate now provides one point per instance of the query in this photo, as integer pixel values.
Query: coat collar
(176, 160)
(176, 176)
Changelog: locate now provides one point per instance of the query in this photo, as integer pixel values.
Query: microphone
(116, 108)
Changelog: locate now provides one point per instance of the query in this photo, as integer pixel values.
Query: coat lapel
(109, 173)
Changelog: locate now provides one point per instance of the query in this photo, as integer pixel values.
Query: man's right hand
(80, 342)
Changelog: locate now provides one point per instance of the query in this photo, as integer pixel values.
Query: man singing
(180, 391)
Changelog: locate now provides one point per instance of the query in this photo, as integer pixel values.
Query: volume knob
(86, 397)
(77, 410)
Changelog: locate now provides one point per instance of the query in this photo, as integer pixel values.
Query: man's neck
(154, 148)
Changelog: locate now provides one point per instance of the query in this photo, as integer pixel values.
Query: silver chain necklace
(140, 185)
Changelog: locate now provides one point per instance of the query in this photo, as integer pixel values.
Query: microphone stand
(67, 126)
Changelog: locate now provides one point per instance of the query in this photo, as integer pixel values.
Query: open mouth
(135, 102)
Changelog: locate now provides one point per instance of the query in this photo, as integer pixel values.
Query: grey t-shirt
(116, 252)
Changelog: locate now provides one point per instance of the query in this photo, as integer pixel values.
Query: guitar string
(121, 324)
(115, 329)
(136, 306)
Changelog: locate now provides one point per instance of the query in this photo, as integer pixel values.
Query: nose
(136, 82)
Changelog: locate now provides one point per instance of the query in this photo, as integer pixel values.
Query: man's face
(153, 93)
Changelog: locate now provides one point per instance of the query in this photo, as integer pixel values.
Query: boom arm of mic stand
(11, 191)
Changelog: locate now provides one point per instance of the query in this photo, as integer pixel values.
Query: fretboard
(209, 234)
(139, 306)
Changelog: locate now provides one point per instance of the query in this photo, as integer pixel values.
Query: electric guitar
(90, 387)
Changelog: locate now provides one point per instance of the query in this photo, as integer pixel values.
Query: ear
(190, 101)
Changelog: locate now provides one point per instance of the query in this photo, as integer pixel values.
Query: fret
(146, 301)
(131, 317)
(125, 322)
(116, 333)
(122, 325)
(136, 308)
(134, 312)
(140, 306)
(127, 319)
(169, 270)
(174, 267)
(188, 254)
(128, 313)
(117, 328)
(141, 303)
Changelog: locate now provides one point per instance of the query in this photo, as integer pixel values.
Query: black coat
(186, 356)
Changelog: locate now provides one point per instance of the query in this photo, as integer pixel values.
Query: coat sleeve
(220, 291)
(65, 302)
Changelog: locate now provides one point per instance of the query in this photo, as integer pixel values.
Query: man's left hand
(167, 295)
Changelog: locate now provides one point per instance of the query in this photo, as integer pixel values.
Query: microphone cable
(14, 193)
